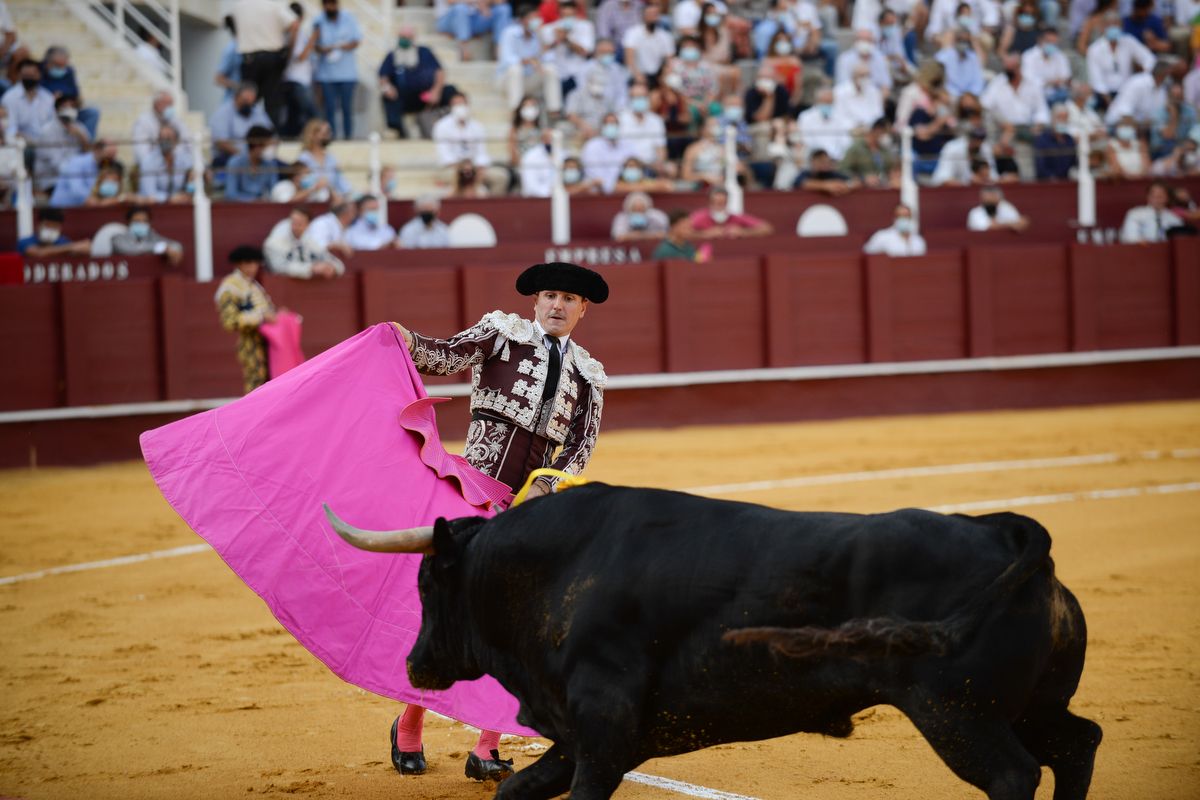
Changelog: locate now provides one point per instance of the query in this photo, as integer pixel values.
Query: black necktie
(553, 369)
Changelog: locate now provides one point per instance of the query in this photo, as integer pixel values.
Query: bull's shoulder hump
(590, 368)
(513, 327)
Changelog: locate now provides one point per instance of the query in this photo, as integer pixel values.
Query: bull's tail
(881, 637)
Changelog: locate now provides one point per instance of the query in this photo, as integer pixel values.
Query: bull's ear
(444, 546)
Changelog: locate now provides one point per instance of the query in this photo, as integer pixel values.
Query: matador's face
(559, 312)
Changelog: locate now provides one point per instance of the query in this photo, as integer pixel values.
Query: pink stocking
(408, 732)
(488, 741)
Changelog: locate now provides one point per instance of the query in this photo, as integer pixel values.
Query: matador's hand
(406, 333)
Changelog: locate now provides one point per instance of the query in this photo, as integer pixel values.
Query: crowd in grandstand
(646, 97)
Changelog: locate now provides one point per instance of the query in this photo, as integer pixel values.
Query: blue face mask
(372, 217)
(1062, 128)
(610, 130)
(904, 224)
(1049, 49)
(390, 186)
(640, 104)
(140, 229)
(109, 188)
(1113, 33)
(308, 181)
(712, 20)
(638, 220)
(189, 187)
(57, 72)
(571, 175)
(631, 174)
(608, 59)
(733, 114)
(826, 109)
(689, 54)
(1026, 20)
(890, 30)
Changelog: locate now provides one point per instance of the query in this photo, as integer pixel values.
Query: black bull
(637, 623)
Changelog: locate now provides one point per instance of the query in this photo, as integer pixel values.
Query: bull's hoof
(406, 763)
(488, 769)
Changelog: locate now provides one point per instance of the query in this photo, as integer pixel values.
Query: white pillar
(736, 201)
(560, 200)
(909, 192)
(119, 13)
(1085, 182)
(201, 213)
(24, 200)
(375, 175)
(176, 59)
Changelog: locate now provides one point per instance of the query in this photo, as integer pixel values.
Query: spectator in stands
(263, 29)
(109, 187)
(614, 18)
(370, 231)
(30, 106)
(1054, 148)
(681, 120)
(140, 239)
(230, 124)
(644, 130)
(520, 67)
(424, 230)
(12, 161)
(165, 174)
(328, 231)
(536, 168)
(298, 105)
(289, 250)
(891, 44)
(1183, 160)
(150, 122)
(1141, 97)
(716, 47)
(608, 72)
(299, 184)
(822, 176)
(899, 240)
(8, 41)
(585, 108)
(49, 240)
(794, 32)
(926, 91)
(1088, 21)
(1014, 104)
(412, 81)
(338, 36)
(639, 220)
(647, 46)
(675, 245)
(314, 140)
(250, 175)
(858, 101)
(574, 179)
(460, 138)
(823, 128)
(243, 305)
(1128, 153)
(872, 159)
(467, 181)
(1183, 206)
(1048, 66)
(1171, 123)
(1151, 222)
(700, 84)
(229, 68)
(767, 99)
(785, 67)
(526, 131)
(1147, 27)
(58, 77)
(716, 221)
(864, 54)
(1110, 60)
(568, 44)
(1191, 83)
(635, 177)
(60, 139)
(77, 175)
(1021, 32)
(704, 160)
(466, 19)
(1083, 116)
(964, 73)
(994, 213)
(603, 155)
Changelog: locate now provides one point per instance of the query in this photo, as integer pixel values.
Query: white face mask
(719, 217)
(864, 48)
(673, 81)
(461, 111)
(529, 113)
(268, 153)
(47, 235)
(765, 85)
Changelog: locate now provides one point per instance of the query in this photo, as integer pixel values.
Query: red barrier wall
(1019, 300)
(1185, 254)
(714, 315)
(916, 307)
(1123, 296)
(31, 370)
(815, 310)
(198, 355)
(111, 342)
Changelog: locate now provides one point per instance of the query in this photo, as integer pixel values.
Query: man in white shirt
(608, 72)
(604, 155)
(648, 45)
(954, 162)
(1013, 101)
(1140, 97)
(264, 29)
(1081, 116)
(60, 139)
(643, 129)
(521, 67)
(1149, 223)
(1047, 65)
(569, 42)
(537, 170)
(30, 106)
(290, 252)
(165, 171)
(425, 229)
(858, 99)
(328, 231)
(898, 241)
(150, 122)
(864, 53)
(821, 128)
(994, 213)
(1110, 58)
(458, 137)
(369, 231)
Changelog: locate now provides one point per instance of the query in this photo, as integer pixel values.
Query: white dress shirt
(649, 50)
(645, 134)
(145, 134)
(457, 141)
(954, 162)
(602, 159)
(417, 235)
(1109, 68)
(890, 242)
(362, 235)
(582, 33)
(979, 220)
(861, 107)
(1144, 224)
(830, 134)
(1139, 98)
(881, 76)
(1025, 105)
(1036, 65)
(287, 255)
(326, 230)
(261, 24)
(537, 173)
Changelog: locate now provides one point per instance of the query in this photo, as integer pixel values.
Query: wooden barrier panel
(1019, 299)
(1185, 258)
(626, 332)
(916, 307)
(73, 269)
(31, 368)
(111, 342)
(423, 300)
(199, 356)
(714, 315)
(815, 310)
(1122, 296)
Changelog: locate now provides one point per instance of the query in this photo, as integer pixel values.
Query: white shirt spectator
(861, 106)
(55, 146)
(1026, 105)
(943, 16)
(1145, 224)
(537, 173)
(1085, 119)
(362, 235)
(686, 16)
(261, 24)
(881, 76)
(1138, 98)
(1037, 66)
(516, 45)
(650, 49)
(805, 13)
(978, 219)
(325, 230)
(27, 115)
(645, 135)
(830, 134)
(582, 33)
(145, 133)
(1108, 69)
(287, 255)
(602, 159)
(416, 235)
(457, 141)
(890, 242)
(286, 189)
(300, 71)
(954, 162)
(158, 181)
(657, 222)
(615, 78)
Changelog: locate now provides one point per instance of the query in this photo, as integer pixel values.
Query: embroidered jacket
(508, 361)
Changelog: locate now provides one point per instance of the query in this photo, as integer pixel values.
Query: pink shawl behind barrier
(283, 342)
(352, 427)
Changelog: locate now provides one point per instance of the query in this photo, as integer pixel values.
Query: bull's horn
(412, 540)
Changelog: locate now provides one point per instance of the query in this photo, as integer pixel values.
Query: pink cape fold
(352, 427)
(283, 342)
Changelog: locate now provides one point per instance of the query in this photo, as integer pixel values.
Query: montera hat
(563, 277)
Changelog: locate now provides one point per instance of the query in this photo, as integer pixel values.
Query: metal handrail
(163, 74)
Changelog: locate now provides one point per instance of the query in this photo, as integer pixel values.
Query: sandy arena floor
(169, 678)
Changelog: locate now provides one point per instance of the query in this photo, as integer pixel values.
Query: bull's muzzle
(410, 540)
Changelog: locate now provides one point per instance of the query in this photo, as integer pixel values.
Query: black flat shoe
(490, 769)
(406, 763)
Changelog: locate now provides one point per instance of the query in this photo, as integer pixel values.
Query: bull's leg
(547, 777)
(1065, 743)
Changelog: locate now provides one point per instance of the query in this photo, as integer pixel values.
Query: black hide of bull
(636, 623)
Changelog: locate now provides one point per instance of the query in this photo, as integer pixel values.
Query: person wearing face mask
(873, 159)
(649, 45)
(766, 99)
(1047, 65)
(614, 18)
(568, 44)
(520, 68)
(109, 187)
(60, 139)
(994, 213)
(48, 241)
(587, 106)
(1111, 59)
(635, 177)
(412, 81)
(1128, 153)
(162, 112)
(864, 53)
(823, 128)
(785, 68)
(370, 230)
(233, 119)
(535, 170)
(575, 181)
(338, 37)
(644, 129)
(639, 220)
(58, 77)
(263, 30)
(964, 72)
(704, 160)
(1021, 32)
(1151, 222)
(899, 240)
(328, 231)
(822, 176)
(1018, 108)
(459, 137)
(314, 143)
(603, 155)
(716, 221)
(77, 175)
(291, 251)
(699, 78)
(606, 71)
(299, 184)
(858, 100)
(166, 172)
(140, 239)
(252, 174)
(298, 105)
(424, 230)
(1054, 148)
(526, 131)
(1141, 97)
(30, 107)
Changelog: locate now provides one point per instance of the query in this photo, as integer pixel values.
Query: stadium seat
(472, 230)
(821, 220)
(102, 241)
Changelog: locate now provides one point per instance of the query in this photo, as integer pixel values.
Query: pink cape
(283, 342)
(352, 427)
